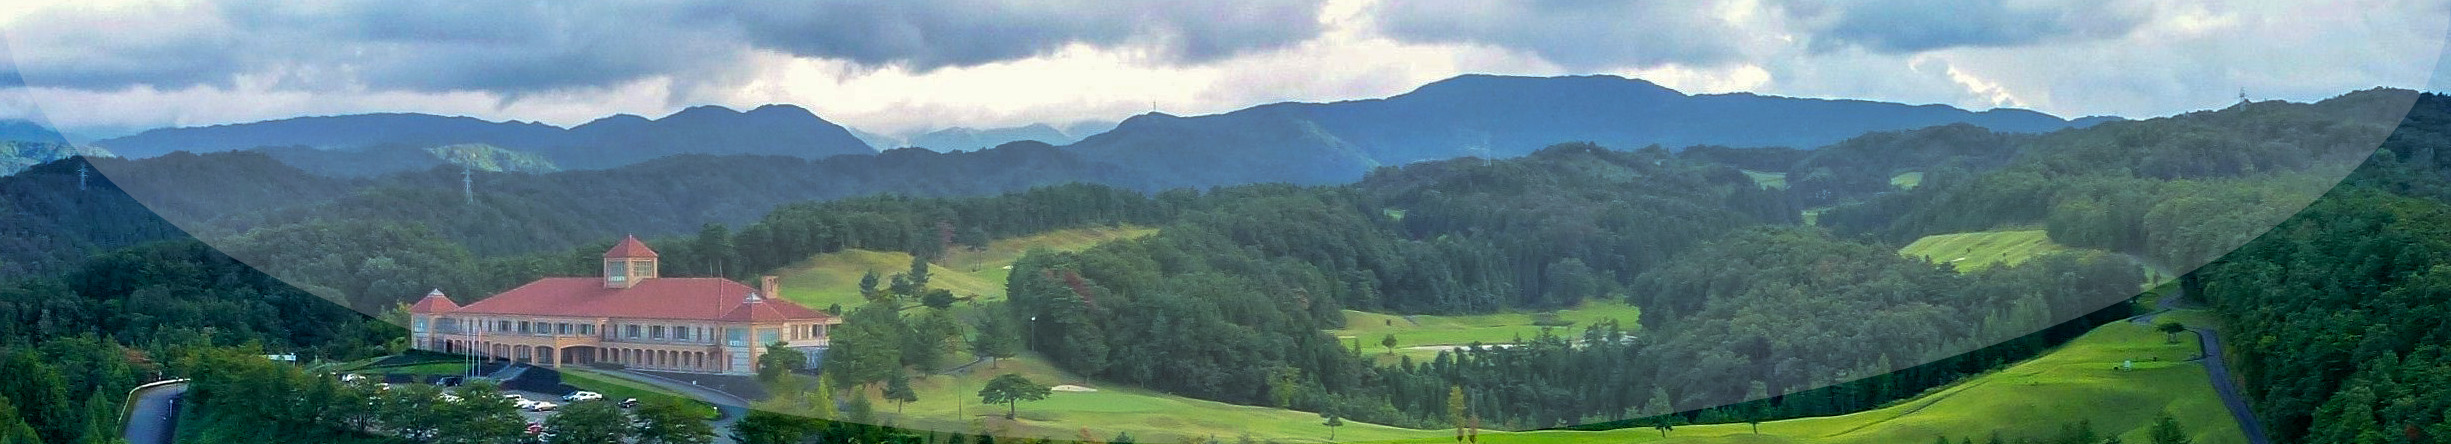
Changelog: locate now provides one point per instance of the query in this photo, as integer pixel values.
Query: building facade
(629, 315)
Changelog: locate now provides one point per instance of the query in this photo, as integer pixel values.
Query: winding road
(2217, 369)
(153, 411)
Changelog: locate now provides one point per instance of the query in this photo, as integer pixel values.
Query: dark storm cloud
(408, 45)
(517, 47)
(1920, 25)
(1577, 34)
(934, 34)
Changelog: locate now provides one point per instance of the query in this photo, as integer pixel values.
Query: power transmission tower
(468, 184)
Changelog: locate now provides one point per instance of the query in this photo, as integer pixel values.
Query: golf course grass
(2078, 381)
(1767, 180)
(1421, 336)
(834, 278)
(1907, 180)
(951, 402)
(2032, 399)
(1978, 250)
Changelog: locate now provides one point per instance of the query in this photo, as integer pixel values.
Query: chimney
(767, 287)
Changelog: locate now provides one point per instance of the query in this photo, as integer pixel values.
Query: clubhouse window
(631, 330)
(655, 332)
(680, 332)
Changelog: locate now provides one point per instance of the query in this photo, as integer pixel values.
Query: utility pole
(81, 176)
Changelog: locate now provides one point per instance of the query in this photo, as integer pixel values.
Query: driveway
(729, 409)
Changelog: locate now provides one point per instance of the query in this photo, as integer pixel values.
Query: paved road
(2219, 370)
(729, 408)
(152, 411)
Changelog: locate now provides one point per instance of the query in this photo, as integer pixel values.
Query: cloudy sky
(102, 67)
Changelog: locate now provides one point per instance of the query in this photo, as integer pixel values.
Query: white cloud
(2178, 55)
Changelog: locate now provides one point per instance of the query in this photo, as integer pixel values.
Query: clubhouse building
(629, 315)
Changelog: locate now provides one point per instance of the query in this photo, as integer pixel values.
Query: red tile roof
(704, 299)
(629, 247)
(434, 302)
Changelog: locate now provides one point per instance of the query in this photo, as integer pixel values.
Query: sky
(105, 67)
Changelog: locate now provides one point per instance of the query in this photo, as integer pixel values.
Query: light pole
(1032, 341)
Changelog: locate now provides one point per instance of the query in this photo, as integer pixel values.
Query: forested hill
(780, 130)
(1500, 116)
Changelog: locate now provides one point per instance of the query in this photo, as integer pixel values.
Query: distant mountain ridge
(1297, 142)
(611, 141)
(1501, 116)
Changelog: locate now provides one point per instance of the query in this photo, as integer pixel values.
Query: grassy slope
(2030, 399)
(1148, 415)
(1427, 330)
(1977, 250)
(834, 278)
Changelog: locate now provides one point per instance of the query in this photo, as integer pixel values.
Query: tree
(588, 423)
(1332, 422)
(1455, 410)
(1389, 342)
(1664, 423)
(1010, 389)
(2166, 430)
(763, 427)
(1283, 384)
(13, 428)
(664, 420)
(2171, 330)
(898, 390)
(481, 415)
(778, 361)
(996, 339)
(919, 272)
(974, 238)
(868, 285)
(937, 298)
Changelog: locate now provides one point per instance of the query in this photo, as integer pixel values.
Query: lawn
(1418, 335)
(1978, 250)
(1767, 180)
(617, 387)
(834, 278)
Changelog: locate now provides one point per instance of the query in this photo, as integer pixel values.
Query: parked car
(582, 396)
(541, 406)
(525, 404)
(628, 403)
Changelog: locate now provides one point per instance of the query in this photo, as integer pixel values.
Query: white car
(582, 396)
(447, 397)
(541, 406)
(524, 404)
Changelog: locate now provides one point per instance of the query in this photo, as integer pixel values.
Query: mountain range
(1502, 116)
(1297, 142)
(622, 139)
